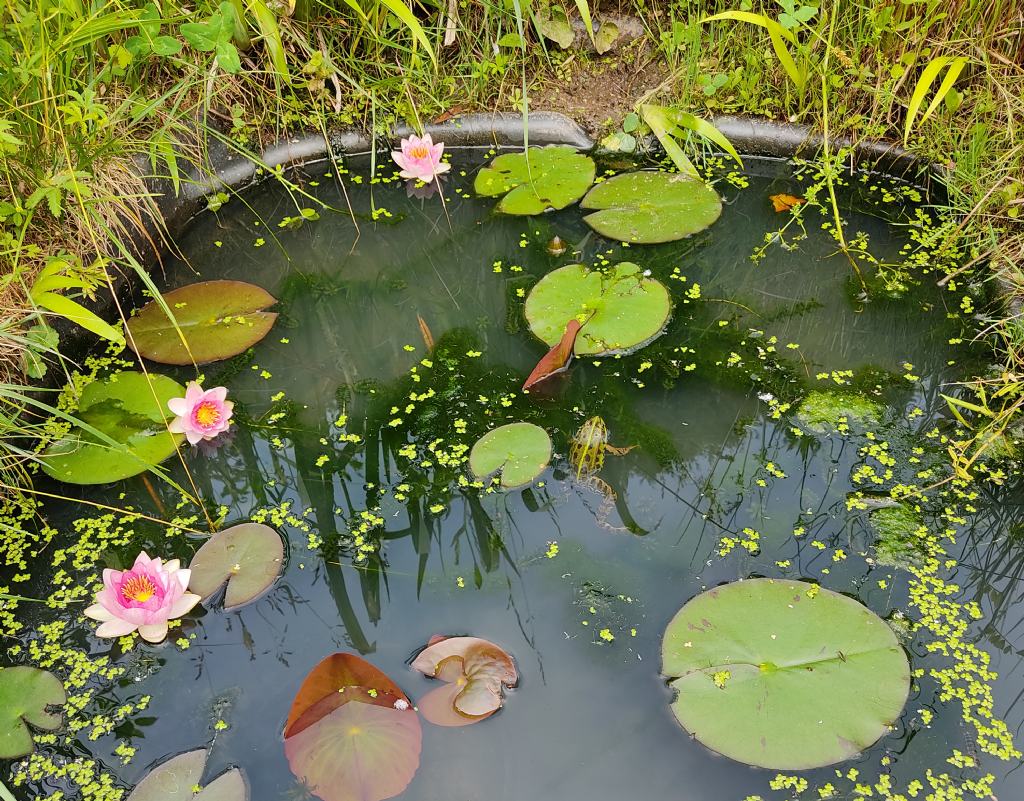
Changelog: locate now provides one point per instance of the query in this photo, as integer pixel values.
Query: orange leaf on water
(784, 202)
(557, 359)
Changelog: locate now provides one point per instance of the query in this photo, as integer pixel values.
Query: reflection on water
(318, 446)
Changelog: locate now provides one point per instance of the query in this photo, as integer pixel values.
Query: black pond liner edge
(226, 169)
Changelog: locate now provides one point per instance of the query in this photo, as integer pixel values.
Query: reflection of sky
(588, 721)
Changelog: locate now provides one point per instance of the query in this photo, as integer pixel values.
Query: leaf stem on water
(5, 794)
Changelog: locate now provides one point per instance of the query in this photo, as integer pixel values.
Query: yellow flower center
(138, 589)
(419, 152)
(207, 414)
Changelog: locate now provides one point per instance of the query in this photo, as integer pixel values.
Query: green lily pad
(27, 695)
(620, 309)
(122, 407)
(218, 319)
(651, 207)
(249, 557)
(542, 178)
(520, 451)
(178, 777)
(784, 674)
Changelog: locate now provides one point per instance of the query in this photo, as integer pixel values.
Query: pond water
(715, 456)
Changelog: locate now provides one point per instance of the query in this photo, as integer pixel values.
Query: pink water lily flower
(201, 414)
(420, 158)
(143, 598)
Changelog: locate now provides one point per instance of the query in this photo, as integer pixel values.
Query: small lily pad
(27, 698)
(352, 734)
(178, 777)
(131, 409)
(520, 451)
(650, 207)
(620, 309)
(542, 178)
(474, 672)
(218, 319)
(784, 674)
(249, 557)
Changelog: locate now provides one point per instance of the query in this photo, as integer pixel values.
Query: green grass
(86, 86)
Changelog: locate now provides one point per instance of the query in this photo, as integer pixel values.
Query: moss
(821, 411)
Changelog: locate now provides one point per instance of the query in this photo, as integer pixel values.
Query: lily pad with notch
(520, 451)
(540, 179)
(473, 670)
(352, 734)
(177, 778)
(249, 557)
(28, 697)
(218, 320)
(130, 409)
(784, 674)
(620, 309)
(649, 207)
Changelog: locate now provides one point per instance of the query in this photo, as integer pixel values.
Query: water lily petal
(155, 632)
(178, 406)
(98, 612)
(115, 628)
(183, 605)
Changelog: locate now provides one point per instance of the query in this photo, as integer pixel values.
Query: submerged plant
(201, 414)
(420, 158)
(144, 598)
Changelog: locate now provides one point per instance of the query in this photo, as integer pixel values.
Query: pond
(762, 434)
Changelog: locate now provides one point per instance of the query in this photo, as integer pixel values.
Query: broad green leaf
(178, 777)
(218, 319)
(27, 696)
(520, 451)
(650, 207)
(783, 674)
(620, 310)
(78, 314)
(699, 126)
(124, 409)
(542, 178)
(249, 557)
(227, 58)
(267, 21)
(924, 83)
(554, 25)
(352, 734)
(606, 36)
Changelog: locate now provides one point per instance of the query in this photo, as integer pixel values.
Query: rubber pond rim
(226, 169)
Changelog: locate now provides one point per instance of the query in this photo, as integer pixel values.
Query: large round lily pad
(650, 207)
(131, 409)
(218, 319)
(784, 674)
(542, 178)
(28, 696)
(620, 309)
(520, 451)
(249, 557)
(352, 734)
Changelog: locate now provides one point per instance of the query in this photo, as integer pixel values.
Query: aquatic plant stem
(5, 794)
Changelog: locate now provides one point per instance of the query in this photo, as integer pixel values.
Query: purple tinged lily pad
(178, 777)
(474, 672)
(352, 734)
(249, 557)
(217, 319)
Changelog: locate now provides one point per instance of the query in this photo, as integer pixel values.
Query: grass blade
(924, 83)
(404, 13)
(658, 121)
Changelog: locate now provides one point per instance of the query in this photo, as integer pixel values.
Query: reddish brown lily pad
(474, 672)
(557, 359)
(352, 734)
